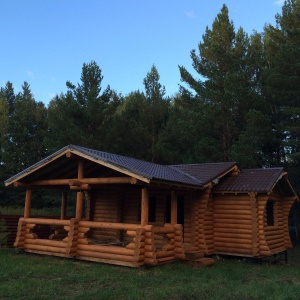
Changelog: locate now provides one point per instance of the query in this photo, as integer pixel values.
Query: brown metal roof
(250, 180)
(140, 167)
(206, 172)
(150, 171)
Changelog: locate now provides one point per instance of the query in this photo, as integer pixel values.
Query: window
(270, 213)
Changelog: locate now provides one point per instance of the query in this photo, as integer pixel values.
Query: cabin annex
(133, 213)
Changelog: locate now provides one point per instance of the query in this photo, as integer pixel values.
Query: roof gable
(251, 180)
(139, 169)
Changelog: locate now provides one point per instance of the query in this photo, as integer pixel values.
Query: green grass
(42, 277)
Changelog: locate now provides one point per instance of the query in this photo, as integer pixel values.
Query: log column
(173, 208)
(79, 198)
(63, 205)
(27, 208)
(145, 207)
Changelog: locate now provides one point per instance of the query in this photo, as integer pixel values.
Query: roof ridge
(210, 163)
(263, 169)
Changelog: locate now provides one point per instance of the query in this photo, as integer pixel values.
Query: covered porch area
(111, 225)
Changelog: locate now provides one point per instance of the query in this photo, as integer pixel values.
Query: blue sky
(46, 42)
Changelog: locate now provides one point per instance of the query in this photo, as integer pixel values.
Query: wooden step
(199, 263)
(193, 255)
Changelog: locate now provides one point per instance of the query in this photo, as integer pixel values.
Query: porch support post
(80, 169)
(79, 205)
(173, 208)
(145, 207)
(27, 208)
(79, 198)
(63, 208)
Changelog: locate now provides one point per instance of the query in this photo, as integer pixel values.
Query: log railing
(28, 240)
(163, 244)
(138, 245)
(127, 253)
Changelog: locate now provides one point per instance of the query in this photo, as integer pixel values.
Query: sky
(46, 42)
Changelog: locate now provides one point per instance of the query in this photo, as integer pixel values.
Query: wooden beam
(80, 169)
(173, 208)
(145, 207)
(27, 208)
(83, 186)
(21, 184)
(78, 182)
(69, 154)
(49, 182)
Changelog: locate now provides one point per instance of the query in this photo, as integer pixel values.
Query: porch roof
(145, 171)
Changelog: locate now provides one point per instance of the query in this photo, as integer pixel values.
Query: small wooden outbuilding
(133, 213)
(251, 213)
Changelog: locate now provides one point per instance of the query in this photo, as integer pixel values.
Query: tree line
(244, 106)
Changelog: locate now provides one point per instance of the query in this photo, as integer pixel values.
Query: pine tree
(228, 86)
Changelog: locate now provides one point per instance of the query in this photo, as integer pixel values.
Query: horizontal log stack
(286, 207)
(163, 244)
(208, 225)
(189, 237)
(30, 242)
(233, 225)
(201, 206)
(131, 254)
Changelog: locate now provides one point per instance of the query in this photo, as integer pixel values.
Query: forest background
(243, 106)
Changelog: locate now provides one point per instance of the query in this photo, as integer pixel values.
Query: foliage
(41, 277)
(227, 63)
(244, 106)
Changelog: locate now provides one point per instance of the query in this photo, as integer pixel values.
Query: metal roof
(251, 180)
(206, 172)
(141, 168)
(146, 169)
(197, 175)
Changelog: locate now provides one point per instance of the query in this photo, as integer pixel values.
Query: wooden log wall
(200, 209)
(254, 216)
(233, 230)
(275, 234)
(189, 236)
(131, 206)
(105, 207)
(132, 254)
(261, 215)
(209, 227)
(160, 197)
(286, 206)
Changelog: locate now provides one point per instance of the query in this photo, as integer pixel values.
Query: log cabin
(133, 213)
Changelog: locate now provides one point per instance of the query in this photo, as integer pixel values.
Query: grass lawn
(31, 276)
